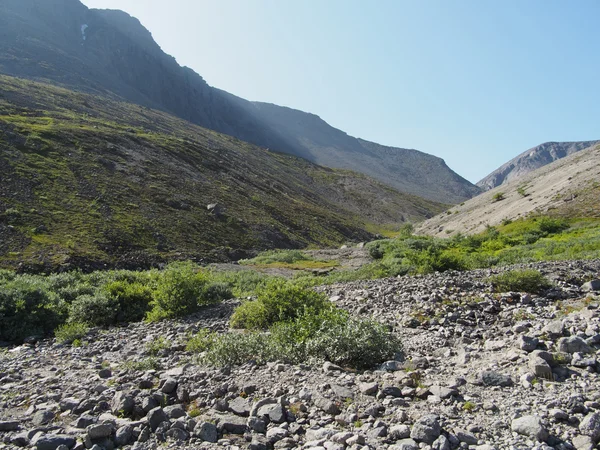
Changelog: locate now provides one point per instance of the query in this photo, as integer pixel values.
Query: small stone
(531, 426)
(122, 403)
(275, 412)
(441, 443)
(443, 392)
(240, 406)
(105, 373)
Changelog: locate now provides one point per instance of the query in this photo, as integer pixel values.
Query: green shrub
(133, 299)
(157, 344)
(95, 310)
(216, 291)
(277, 256)
(231, 349)
(201, 341)
(178, 292)
(70, 332)
(520, 280)
(498, 196)
(278, 301)
(331, 335)
(28, 307)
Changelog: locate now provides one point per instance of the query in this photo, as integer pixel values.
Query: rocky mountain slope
(479, 370)
(88, 182)
(110, 53)
(531, 160)
(568, 187)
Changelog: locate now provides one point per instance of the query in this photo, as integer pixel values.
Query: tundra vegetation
(67, 304)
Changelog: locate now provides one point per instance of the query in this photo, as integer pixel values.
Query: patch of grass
(530, 281)
(469, 406)
(155, 346)
(70, 333)
(143, 365)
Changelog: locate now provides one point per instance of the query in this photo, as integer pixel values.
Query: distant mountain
(91, 182)
(110, 53)
(531, 160)
(567, 187)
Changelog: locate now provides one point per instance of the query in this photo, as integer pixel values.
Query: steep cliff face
(532, 159)
(110, 53)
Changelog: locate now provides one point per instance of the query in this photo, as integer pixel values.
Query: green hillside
(89, 182)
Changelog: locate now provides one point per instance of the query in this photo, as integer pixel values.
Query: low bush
(179, 292)
(331, 335)
(96, 310)
(133, 300)
(28, 307)
(278, 301)
(530, 281)
(70, 332)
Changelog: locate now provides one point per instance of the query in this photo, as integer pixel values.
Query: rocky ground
(480, 371)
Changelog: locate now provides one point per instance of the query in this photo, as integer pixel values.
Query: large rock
(593, 285)
(240, 406)
(275, 412)
(232, 424)
(590, 426)
(100, 431)
(540, 368)
(530, 426)
(327, 406)
(573, 344)
(53, 441)
(122, 404)
(427, 429)
(155, 417)
(492, 378)
(43, 417)
(206, 431)
(9, 425)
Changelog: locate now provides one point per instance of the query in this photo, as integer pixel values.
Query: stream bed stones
(478, 370)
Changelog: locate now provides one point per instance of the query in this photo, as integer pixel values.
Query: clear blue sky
(475, 82)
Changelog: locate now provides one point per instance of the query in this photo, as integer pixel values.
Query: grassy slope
(88, 181)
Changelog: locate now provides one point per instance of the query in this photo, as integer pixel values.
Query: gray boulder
(590, 426)
(573, 344)
(530, 426)
(427, 429)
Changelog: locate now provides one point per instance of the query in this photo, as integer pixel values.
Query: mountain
(110, 53)
(567, 187)
(532, 159)
(91, 182)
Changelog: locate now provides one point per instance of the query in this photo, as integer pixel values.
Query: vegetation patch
(530, 281)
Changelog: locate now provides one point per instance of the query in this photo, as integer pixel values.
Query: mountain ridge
(116, 56)
(532, 159)
(91, 183)
(568, 187)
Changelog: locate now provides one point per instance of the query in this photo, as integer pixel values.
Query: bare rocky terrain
(569, 184)
(478, 370)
